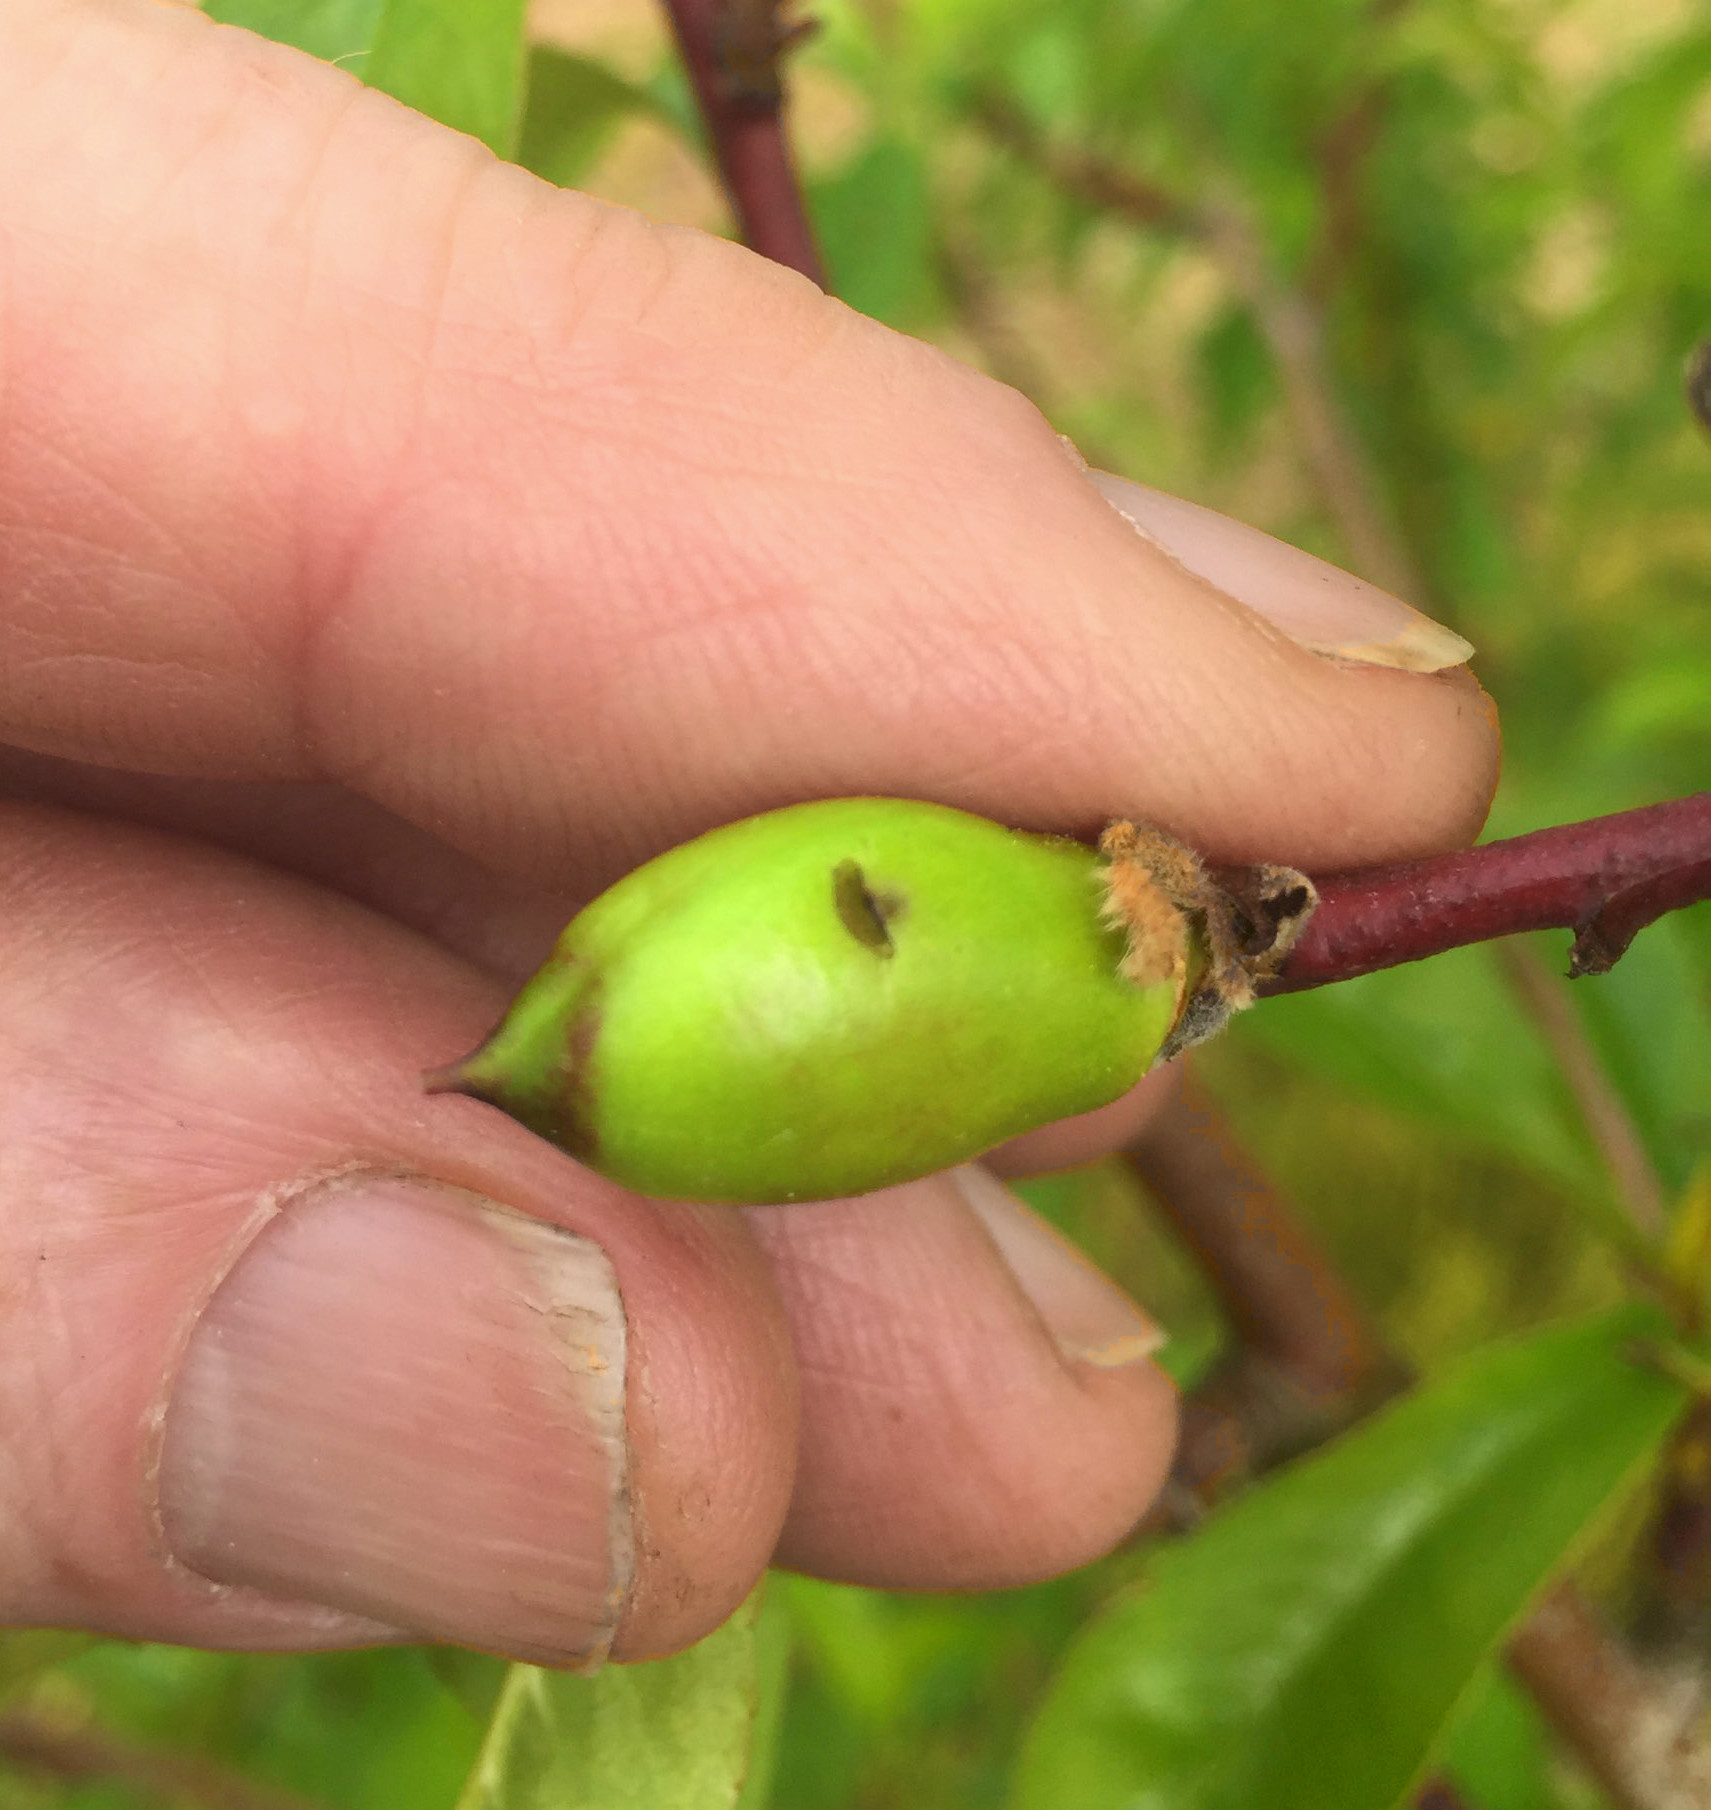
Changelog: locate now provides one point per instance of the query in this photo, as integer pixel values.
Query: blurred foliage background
(1472, 236)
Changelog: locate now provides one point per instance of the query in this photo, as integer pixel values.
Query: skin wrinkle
(374, 534)
(298, 217)
(60, 1366)
(174, 558)
(20, 1522)
(300, 208)
(43, 455)
(319, 613)
(184, 168)
(604, 264)
(874, 1351)
(335, 838)
(991, 412)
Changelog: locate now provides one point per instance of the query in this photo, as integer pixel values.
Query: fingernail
(1088, 1315)
(1320, 606)
(407, 1403)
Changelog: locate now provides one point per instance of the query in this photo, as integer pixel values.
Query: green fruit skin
(728, 1023)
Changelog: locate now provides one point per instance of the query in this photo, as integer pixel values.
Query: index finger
(337, 450)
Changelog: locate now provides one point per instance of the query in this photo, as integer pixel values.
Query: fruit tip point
(449, 1078)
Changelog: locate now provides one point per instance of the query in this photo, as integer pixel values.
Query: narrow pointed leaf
(1306, 1649)
(1497, 1753)
(668, 1734)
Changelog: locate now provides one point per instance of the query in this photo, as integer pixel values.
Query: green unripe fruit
(822, 1001)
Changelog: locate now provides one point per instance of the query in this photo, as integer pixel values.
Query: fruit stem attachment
(448, 1078)
(1217, 936)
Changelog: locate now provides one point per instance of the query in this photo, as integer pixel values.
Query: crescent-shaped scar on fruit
(836, 997)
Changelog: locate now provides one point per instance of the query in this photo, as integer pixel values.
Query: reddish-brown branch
(1698, 384)
(1595, 1695)
(731, 49)
(1441, 1795)
(1278, 1290)
(1342, 153)
(1677, 1617)
(1601, 1108)
(1293, 328)
(1091, 178)
(1579, 876)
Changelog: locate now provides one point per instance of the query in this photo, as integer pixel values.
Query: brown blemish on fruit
(866, 914)
(563, 1111)
(569, 1120)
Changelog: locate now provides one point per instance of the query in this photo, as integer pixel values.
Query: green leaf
(1306, 1649)
(573, 104)
(1497, 1751)
(874, 221)
(1236, 379)
(473, 1679)
(669, 1734)
(459, 61)
(339, 31)
(773, 1639)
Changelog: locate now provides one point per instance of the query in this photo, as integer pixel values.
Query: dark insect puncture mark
(865, 914)
(1698, 383)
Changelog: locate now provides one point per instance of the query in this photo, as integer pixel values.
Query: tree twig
(1698, 384)
(1287, 318)
(1292, 326)
(85, 1754)
(1278, 1290)
(972, 295)
(1341, 154)
(1440, 1794)
(732, 50)
(1093, 179)
(1561, 878)
(1594, 1694)
(1612, 1129)
(1677, 1618)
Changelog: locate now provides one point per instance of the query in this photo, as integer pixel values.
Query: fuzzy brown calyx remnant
(1215, 935)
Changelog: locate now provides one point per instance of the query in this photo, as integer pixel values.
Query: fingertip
(952, 1438)
(713, 1415)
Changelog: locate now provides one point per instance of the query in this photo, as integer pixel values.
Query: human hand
(393, 551)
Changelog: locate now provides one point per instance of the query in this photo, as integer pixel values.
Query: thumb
(565, 535)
